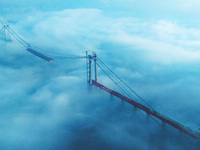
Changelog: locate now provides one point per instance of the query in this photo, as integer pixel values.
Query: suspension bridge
(126, 94)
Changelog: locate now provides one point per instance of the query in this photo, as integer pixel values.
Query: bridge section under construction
(124, 94)
(129, 99)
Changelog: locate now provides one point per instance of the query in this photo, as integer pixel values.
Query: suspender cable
(19, 37)
(25, 45)
(70, 57)
(114, 81)
(117, 81)
(124, 83)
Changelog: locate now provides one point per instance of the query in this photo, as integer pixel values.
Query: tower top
(5, 33)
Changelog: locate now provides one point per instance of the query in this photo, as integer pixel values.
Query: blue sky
(177, 11)
(153, 46)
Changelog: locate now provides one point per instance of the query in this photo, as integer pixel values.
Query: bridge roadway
(159, 116)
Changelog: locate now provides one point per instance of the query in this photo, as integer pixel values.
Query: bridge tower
(5, 33)
(91, 58)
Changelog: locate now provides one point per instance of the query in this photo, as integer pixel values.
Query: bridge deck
(161, 117)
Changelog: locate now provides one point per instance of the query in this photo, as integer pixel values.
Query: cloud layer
(48, 106)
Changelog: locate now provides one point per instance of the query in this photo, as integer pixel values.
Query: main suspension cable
(22, 40)
(124, 83)
(18, 40)
(116, 82)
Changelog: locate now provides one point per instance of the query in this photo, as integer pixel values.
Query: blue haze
(153, 46)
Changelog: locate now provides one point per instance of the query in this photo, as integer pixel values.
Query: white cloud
(51, 100)
(163, 41)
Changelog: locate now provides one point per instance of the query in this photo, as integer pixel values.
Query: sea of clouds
(49, 106)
